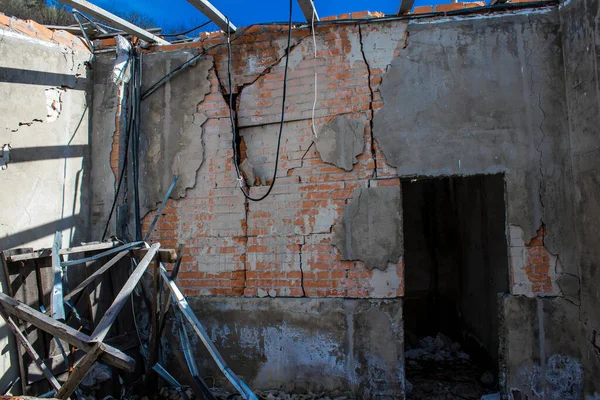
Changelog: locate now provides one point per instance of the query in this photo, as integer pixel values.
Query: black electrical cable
(234, 141)
(124, 164)
(186, 32)
(135, 148)
(188, 63)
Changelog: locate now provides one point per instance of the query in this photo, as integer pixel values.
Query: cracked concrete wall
(309, 345)
(45, 107)
(511, 116)
(580, 23)
(44, 86)
(540, 351)
(451, 96)
(171, 132)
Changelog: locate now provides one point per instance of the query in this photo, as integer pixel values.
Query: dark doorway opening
(456, 264)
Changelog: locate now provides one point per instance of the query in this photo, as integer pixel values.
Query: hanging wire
(233, 129)
(312, 122)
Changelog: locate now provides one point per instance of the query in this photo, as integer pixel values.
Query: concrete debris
(262, 293)
(170, 393)
(281, 395)
(247, 170)
(438, 348)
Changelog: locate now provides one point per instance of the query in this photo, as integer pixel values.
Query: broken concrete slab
(171, 140)
(370, 229)
(340, 141)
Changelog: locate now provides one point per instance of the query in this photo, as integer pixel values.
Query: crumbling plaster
(171, 137)
(371, 227)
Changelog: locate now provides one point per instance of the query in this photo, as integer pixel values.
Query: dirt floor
(456, 379)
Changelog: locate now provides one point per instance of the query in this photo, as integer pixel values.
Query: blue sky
(176, 13)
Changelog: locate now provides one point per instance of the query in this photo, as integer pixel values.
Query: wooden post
(113, 311)
(96, 274)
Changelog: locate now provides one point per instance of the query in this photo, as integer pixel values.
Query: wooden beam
(102, 14)
(70, 250)
(96, 274)
(308, 8)
(80, 371)
(163, 255)
(123, 296)
(56, 363)
(405, 6)
(30, 350)
(213, 14)
(80, 340)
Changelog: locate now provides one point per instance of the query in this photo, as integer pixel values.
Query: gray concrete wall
(306, 345)
(480, 94)
(580, 23)
(44, 109)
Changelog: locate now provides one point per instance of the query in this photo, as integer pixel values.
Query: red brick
(423, 9)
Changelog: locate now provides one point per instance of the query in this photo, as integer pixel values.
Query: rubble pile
(438, 348)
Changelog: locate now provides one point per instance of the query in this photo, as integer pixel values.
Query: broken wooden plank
(308, 8)
(96, 275)
(80, 371)
(30, 350)
(80, 340)
(189, 315)
(113, 311)
(97, 246)
(102, 14)
(213, 14)
(164, 255)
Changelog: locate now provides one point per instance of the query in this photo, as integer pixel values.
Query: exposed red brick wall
(538, 264)
(235, 247)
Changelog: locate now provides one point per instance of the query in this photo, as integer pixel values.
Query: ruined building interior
(359, 206)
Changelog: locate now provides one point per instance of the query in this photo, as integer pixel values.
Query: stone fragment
(340, 141)
(262, 293)
(273, 293)
(248, 172)
(370, 229)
